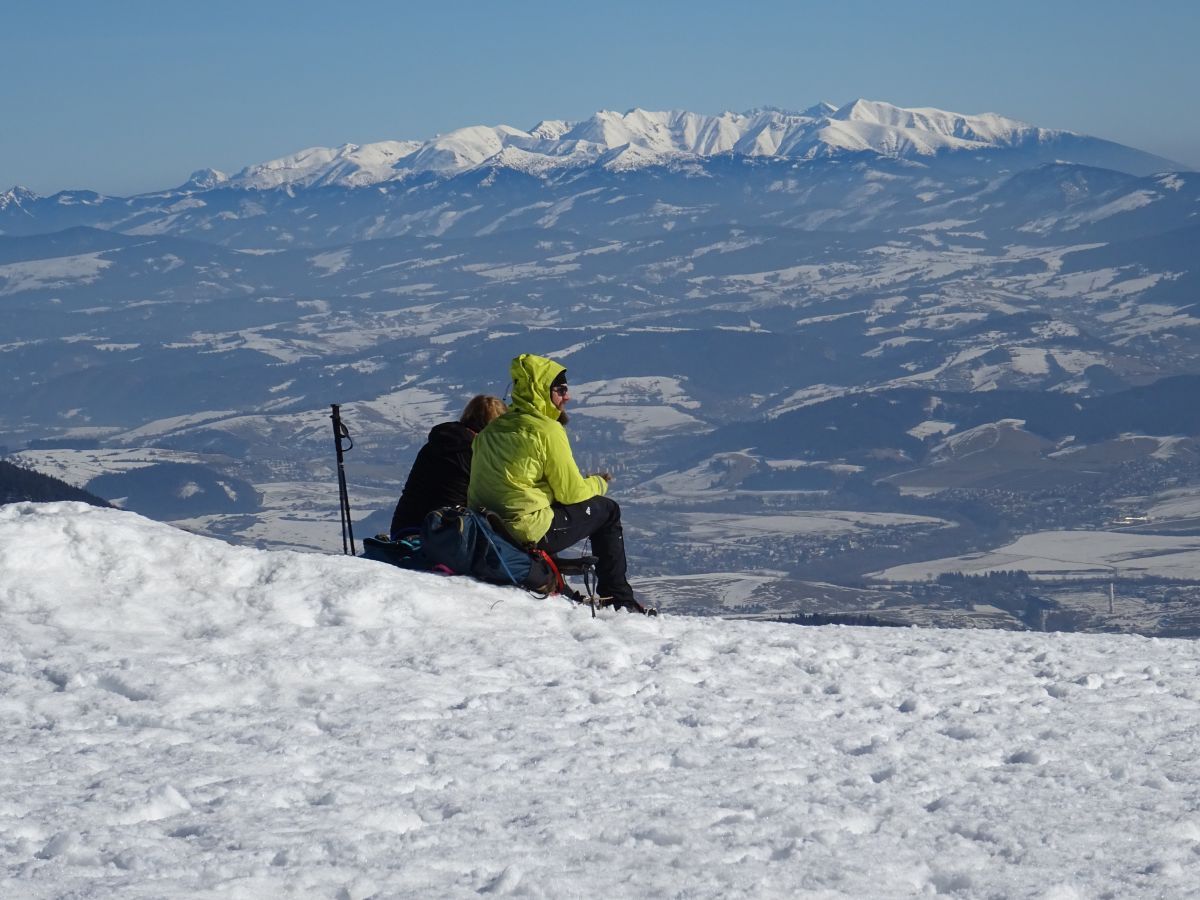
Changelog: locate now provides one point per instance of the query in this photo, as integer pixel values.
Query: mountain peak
(205, 179)
(550, 129)
(822, 110)
(350, 165)
(925, 130)
(872, 111)
(15, 196)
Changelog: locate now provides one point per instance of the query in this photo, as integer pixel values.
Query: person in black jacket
(442, 469)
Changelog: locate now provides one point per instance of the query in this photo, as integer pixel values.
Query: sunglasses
(559, 389)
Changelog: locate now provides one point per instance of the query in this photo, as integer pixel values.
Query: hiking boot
(631, 605)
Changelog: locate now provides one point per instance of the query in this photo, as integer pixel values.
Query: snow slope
(183, 718)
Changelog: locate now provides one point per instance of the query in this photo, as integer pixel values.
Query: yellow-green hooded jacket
(522, 461)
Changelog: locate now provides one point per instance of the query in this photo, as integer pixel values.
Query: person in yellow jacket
(522, 468)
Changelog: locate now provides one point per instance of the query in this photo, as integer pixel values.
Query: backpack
(404, 551)
(462, 541)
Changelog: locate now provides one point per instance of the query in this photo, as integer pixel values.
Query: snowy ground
(78, 467)
(183, 718)
(1070, 554)
(1183, 503)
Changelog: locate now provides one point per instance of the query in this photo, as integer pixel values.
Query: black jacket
(439, 475)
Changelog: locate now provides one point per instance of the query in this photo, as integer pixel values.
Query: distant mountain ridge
(642, 138)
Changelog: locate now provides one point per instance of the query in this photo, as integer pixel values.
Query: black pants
(600, 520)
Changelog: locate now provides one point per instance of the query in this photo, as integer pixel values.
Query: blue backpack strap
(487, 532)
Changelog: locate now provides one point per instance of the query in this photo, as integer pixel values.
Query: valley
(826, 382)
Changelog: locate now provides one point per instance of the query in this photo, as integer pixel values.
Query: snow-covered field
(1177, 504)
(78, 467)
(725, 529)
(1071, 554)
(183, 718)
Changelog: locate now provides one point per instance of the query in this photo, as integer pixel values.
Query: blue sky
(129, 95)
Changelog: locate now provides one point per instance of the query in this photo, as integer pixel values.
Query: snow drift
(183, 718)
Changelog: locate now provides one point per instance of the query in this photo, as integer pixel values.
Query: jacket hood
(531, 378)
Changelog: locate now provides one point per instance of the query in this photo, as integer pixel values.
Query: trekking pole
(340, 433)
(589, 586)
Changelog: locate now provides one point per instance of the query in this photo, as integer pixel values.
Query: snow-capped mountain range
(643, 138)
(865, 165)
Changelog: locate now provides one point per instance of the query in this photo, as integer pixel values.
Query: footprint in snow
(1026, 758)
(504, 883)
(122, 688)
(960, 733)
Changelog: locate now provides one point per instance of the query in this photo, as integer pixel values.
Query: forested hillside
(17, 484)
